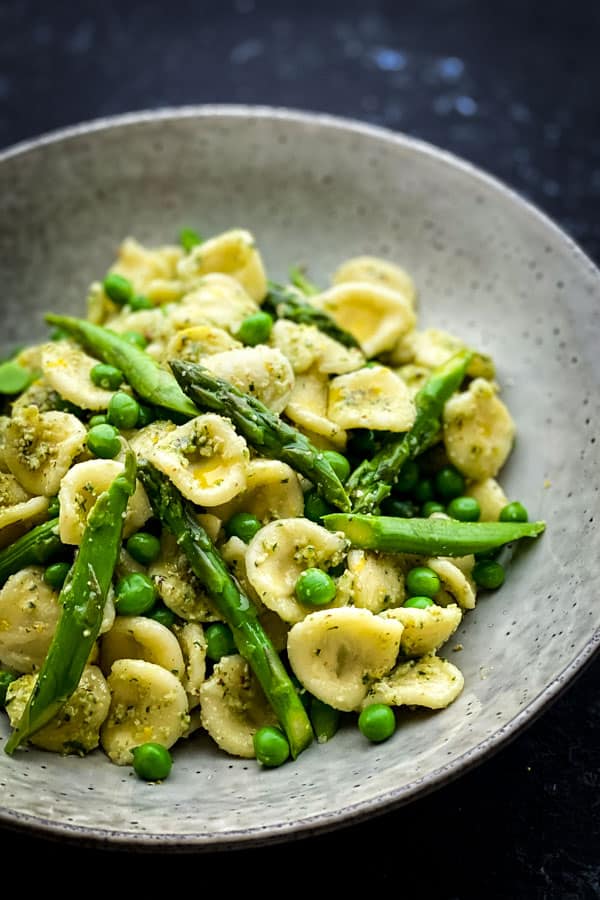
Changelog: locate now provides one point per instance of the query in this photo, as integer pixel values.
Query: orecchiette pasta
(429, 681)
(234, 253)
(372, 397)
(29, 611)
(40, 448)
(67, 370)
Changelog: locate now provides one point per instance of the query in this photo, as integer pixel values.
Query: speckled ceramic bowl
(489, 267)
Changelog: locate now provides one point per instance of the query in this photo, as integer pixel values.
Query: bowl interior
(315, 191)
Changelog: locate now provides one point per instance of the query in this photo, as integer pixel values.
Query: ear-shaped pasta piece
(479, 431)
(307, 408)
(280, 551)
(143, 265)
(39, 394)
(193, 646)
(205, 458)
(215, 300)
(193, 344)
(152, 324)
(373, 397)
(337, 653)
(425, 630)
(81, 487)
(297, 343)
(16, 520)
(11, 493)
(376, 315)
(413, 376)
(263, 372)
(490, 496)
(4, 423)
(233, 706)
(76, 727)
(231, 253)
(142, 442)
(455, 581)
(139, 637)
(431, 347)
(377, 580)
(375, 270)
(430, 681)
(67, 369)
(234, 552)
(148, 703)
(177, 586)
(29, 612)
(272, 492)
(40, 448)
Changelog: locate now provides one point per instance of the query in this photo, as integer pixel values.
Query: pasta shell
(193, 344)
(67, 370)
(234, 552)
(429, 681)
(479, 431)
(148, 703)
(337, 653)
(263, 372)
(272, 491)
(143, 265)
(425, 630)
(29, 612)
(232, 253)
(16, 520)
(376, 315)
(455, 581)
(193, 645)
(373, 397)
(216, 300)
(205, 458)
(40, 448)
(280, 551)
(233, 706)
(177, 586)
(307, 408)
(81, 487)
(76, 727)
(139, 637)
(375, 270)
(490, 496)
(377, 580)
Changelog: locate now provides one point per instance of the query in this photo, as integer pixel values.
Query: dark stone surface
(513, 87)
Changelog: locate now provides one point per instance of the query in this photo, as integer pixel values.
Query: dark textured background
(511, 86)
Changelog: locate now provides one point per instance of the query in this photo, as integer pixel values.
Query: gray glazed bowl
(490, 268)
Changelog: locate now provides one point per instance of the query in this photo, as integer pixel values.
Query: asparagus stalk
(428, 537)
(82, 599)
(284, 303)
(253, 643)
(147, 378)
(34, 548)
(372, 481)
(263, 429)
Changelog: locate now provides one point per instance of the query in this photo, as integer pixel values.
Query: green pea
(423, 491)
(338, 463)
(271, 746)
(139, 302)
(152, 761)
(421, 581)
(513, 512)
(432, 506)
(56, 574)
(315, 506)
(401, 509)
(324, 719)
(255, 329)
(97, 420)
(465, 509)
(314, 587)
(242, 525)
(53, 507)
(162, 614)
(488, 574)
(108, 377)
(418, 602)
(377, 722)
(219, 641)
(135, 338)
(6, 679)
(449, 483)
(13, 378)
(143, 547)
(188, 238)
(104, 441)
(118, 288)
(135, 594)
(123, 411)
(408, 478)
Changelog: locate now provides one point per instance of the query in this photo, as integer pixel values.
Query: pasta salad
(241, 508)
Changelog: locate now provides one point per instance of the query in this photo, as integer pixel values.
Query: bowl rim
(351, 814)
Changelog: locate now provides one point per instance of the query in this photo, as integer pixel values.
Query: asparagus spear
(36, 547)
(284, 303)
(148, 379)
(253, 643)
(263, 429)
(300, 281)
(82, 598)
(372, 481)
(428, 537)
